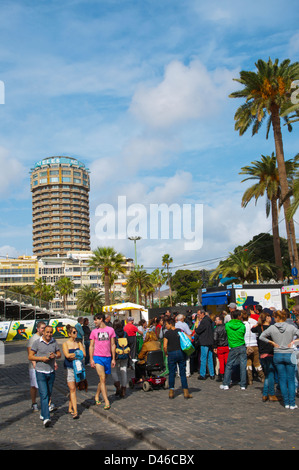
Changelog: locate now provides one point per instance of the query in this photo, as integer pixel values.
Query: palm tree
(295, 193)
(89, 299)
(159, 277)
(166, 260)
(39, 287)
(107, 261)
(241, 265)
(140, 279)
(267, 93)
(266, 173)
(65, 287)
(48, 293)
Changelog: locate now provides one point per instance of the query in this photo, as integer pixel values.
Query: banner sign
(4, 327)
(24, 329)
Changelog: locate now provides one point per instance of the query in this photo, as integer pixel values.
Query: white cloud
(9, 251)
(185, 93)
(12, 173)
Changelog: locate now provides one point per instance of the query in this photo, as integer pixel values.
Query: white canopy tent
(128, 309)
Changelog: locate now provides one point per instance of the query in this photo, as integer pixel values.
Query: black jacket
(264, 348)
(205, 331)
(220, 336)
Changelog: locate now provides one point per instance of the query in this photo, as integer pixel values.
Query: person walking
(235, 330)
(44, 352)
(69, 347)
(176, 357)
(86, 331)
(80, 332)
(281, 336)
(32, 375)
(119, 372)
(102, 355)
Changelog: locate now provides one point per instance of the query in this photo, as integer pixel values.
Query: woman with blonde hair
(151, 343)
(281, 336)
(69, 347)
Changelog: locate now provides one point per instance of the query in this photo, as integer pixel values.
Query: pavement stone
(213, 419)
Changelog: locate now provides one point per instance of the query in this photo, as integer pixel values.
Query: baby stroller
(154, 366)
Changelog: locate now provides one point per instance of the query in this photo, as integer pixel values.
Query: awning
(215, 298)
(122, 306)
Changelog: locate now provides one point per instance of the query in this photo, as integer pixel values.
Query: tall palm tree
(48, 293)
(295, 193)
(139, 278)
(39, 286)
(65, 287)
(166, 261)
(267, 93)
(107, 260)
(241, 265)
(89, 299)
(266, 173)
(159, 277)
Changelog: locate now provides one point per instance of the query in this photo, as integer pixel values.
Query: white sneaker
(287, 406)
(47, 423)
(52, 407)
(242, 388)
(34, 407)
(224, 387)
(293, 407)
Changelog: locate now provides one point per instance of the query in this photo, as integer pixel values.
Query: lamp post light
(135, 240)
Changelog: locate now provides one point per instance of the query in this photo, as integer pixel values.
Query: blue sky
(138, 90)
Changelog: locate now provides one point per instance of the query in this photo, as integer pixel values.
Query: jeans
(286, 377)
(268, 367)
(236, 355)
(206, 353)
(45, 385)
(177, 358)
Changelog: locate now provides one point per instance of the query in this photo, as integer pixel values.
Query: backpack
(122, 347)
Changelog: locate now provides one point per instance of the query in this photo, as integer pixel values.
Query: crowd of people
(236, 346)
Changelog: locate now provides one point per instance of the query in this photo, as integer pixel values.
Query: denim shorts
(103, 361)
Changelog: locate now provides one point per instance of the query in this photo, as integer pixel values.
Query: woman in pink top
(102, 355)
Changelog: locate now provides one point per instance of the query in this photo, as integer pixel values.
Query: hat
(130, 318)
(232, 305)
(268, 311)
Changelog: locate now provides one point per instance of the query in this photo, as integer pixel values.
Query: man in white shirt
(182, 325)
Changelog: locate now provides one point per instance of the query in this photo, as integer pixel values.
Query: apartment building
(75, 266)
(19, 271)
(60, 206)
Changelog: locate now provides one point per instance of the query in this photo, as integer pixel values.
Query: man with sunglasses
(44, 352)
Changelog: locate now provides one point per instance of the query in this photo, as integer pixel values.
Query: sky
(138, 91)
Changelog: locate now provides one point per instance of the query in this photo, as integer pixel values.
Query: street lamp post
(135, 239)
